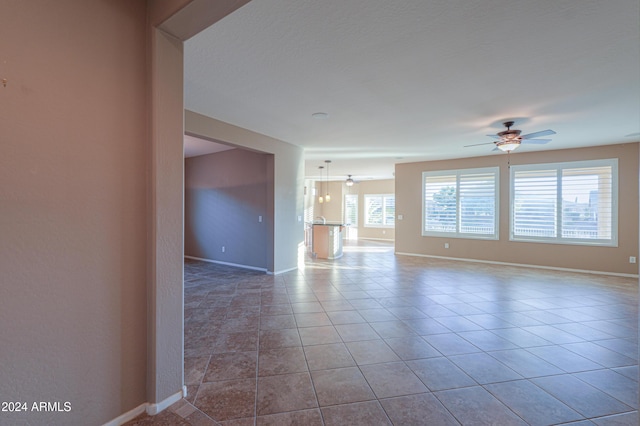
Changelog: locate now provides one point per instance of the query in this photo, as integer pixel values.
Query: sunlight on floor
(359, 249)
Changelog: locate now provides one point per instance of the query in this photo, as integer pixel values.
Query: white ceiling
(414, 80)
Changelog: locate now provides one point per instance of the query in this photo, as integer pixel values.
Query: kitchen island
(326, 240)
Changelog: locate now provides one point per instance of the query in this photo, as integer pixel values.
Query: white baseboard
(282, 271)
(150, 409)
(129, 415)
(154, 408)
(522, 265)
(390, 240)
(219, 262)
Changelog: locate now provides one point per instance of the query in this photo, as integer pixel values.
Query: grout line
(312, 283)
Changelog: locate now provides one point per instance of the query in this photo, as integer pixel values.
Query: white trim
(153, 409)
(129, 415)
(457, 175)
(356, 196)
(383, 199)
(282, 271)
(219, 262)
(523, 265)
(558, 169)
(377, 239)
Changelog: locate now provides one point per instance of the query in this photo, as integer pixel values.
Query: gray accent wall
(225, 194)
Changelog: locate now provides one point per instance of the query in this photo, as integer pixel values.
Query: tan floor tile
(283, 393)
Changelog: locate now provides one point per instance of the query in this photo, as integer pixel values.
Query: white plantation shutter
(373, 210)
(389, 210)
(380, 210)
(572, 203)
(461, 203)
(534, 203)
(351, 209)
(440, 203)
(587, 208)
(478, 203)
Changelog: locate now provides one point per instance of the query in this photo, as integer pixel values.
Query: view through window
(565, 202)
(461, 203)
(380, 210)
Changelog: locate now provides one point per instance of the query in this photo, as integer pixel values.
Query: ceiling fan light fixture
(508, 145)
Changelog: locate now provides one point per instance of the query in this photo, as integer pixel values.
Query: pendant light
(320, 199)
(349, 181)
(327, 196)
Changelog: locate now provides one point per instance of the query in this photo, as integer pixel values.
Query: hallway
(373, 338)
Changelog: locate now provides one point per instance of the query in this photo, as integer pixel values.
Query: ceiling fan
(508, 140)
(351, 181)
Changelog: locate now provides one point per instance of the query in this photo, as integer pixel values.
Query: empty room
(353, 212)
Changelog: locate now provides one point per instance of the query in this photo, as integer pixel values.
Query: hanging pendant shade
(320, 198)
(327, 196)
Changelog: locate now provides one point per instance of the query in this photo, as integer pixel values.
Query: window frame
(559, 168)
(384, 207)
(355, 197)
(458, 234)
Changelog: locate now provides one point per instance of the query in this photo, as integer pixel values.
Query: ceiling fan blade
(536, 141)
(533, 135)
(494, 136)
(477, 144)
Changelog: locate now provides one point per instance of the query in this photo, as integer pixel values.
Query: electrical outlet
(223, 249)
(259, 218)
(446, 245)
(632, 259)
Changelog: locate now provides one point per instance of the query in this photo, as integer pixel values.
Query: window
(351, 209)
(461, 203)
(380, 210)
(573, 203)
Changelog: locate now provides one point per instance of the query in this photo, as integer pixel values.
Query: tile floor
(379, 339)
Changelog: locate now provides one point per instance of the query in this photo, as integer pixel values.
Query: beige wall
(334, 210)
(73, 208)
(604, 259)
(372, 187)
(166, 237)
(91, 186)
(288, 185)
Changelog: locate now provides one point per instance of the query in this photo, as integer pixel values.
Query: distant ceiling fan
(508, 140)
